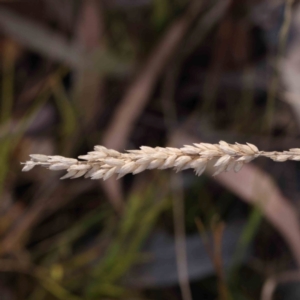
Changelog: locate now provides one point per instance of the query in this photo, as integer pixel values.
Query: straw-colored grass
(103, 163)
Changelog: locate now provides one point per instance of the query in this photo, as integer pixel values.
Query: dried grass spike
(103, 162)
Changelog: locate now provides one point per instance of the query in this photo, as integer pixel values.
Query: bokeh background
(126, 73)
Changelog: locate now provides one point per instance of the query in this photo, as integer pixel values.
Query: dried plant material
(137, 95)
(102, 163)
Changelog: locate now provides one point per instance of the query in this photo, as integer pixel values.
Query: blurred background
(126, 73)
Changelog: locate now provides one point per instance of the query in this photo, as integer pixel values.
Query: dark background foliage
(126, 73)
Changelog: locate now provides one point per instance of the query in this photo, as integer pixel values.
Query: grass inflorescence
(102, 163)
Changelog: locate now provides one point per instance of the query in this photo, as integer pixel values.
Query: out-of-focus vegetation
(126, 73)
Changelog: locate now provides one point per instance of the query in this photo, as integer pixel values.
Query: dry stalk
(102, 163)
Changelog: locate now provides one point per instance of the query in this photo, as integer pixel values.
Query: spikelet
(102, 163)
